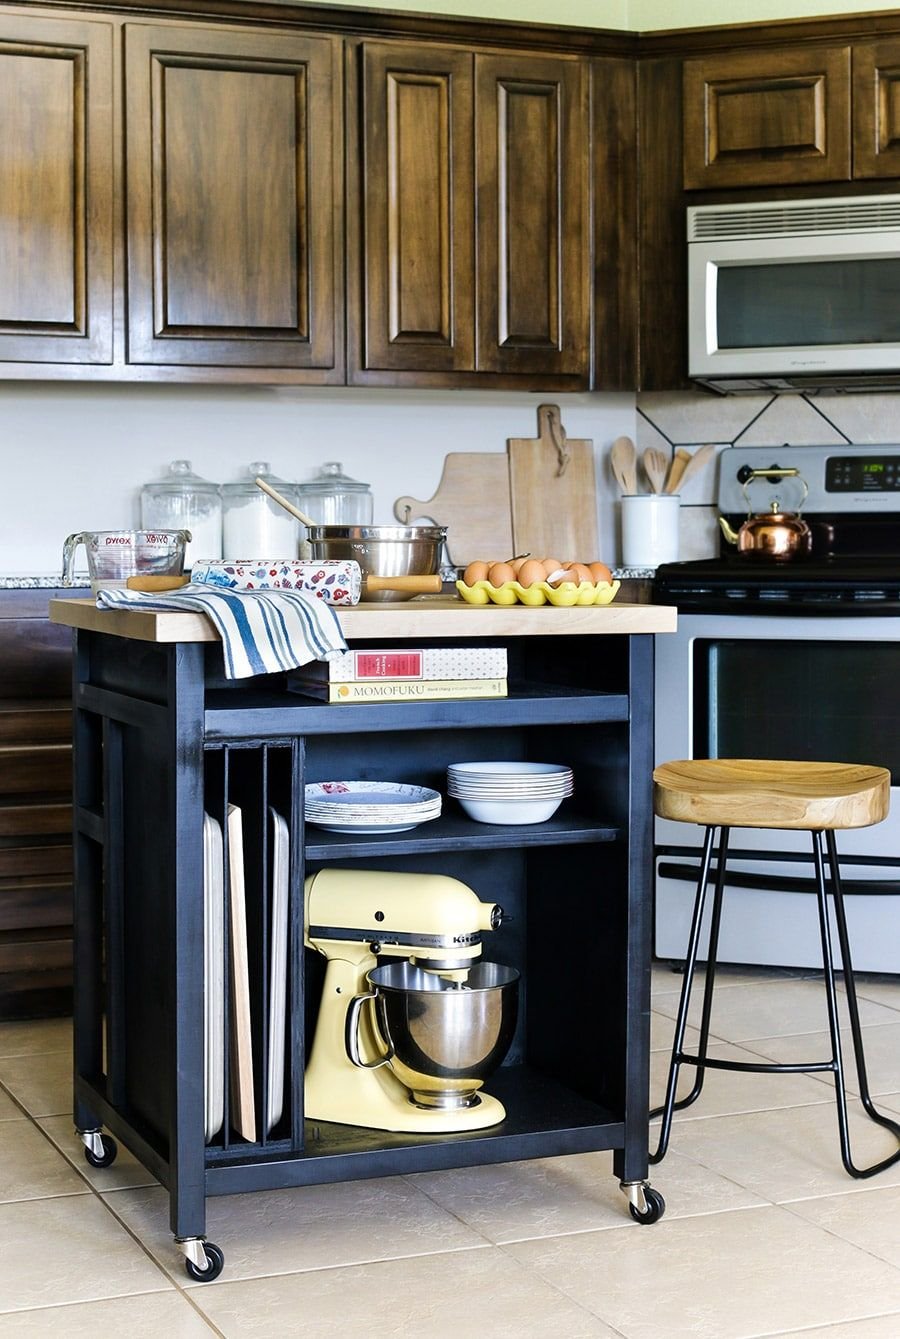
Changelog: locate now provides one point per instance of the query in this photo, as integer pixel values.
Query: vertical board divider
(296, 912)
(226, 948)
(264, 941)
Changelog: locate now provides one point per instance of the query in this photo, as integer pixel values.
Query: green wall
(634, 15)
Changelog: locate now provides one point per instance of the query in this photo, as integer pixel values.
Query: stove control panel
(862, 474)
(844, 478)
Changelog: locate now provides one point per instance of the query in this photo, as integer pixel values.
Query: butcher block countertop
(426, 616)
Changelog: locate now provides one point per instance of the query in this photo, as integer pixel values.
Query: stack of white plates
(370, 806)
(509, 792)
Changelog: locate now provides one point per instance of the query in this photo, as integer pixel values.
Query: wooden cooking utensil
(655, 466)
(696, 462)
(553, 492)
(283, 502)
(623, 459)
(156, 583)
(680, 462)
(472, 501)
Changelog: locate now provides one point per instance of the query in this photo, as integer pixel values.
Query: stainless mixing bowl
(382, 550)
(445, 1038)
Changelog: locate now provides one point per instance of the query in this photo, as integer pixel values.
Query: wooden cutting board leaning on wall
(553, 492)
(472, 501)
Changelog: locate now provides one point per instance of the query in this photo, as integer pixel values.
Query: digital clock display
(852, 474)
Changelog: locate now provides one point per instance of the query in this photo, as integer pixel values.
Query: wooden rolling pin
(420, 585)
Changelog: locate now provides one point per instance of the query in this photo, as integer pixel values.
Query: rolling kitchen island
(163, 740)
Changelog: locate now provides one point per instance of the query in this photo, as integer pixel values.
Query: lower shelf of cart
(544, 1119)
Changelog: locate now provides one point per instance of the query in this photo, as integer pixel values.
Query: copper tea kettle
(774, 533)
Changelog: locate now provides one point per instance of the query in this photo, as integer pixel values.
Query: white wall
(74, 456)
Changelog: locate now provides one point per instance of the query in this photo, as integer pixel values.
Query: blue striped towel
(262, 631)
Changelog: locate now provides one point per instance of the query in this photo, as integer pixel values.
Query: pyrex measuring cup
(115, 555)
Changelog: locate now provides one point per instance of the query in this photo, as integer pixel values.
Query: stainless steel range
(796, 658)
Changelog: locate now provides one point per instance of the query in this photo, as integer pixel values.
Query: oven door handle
(778, 883)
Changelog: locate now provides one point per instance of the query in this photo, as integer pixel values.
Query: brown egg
(517, 563)
(499, 573)
(600, 573)
(531, 572)
(557, 577)
(550, 564)
(476, 571)
(578, 572)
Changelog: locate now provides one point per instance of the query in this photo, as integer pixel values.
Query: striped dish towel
(262, 631)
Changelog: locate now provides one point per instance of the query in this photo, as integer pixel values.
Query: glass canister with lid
(253, 524)
(331, 497)
(185, 501)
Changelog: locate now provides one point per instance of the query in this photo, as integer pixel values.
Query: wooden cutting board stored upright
(472, 501)
(553, 492)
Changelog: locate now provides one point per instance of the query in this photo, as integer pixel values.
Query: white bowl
(510, 811)
(483, 771)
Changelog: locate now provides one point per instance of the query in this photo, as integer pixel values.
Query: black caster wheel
(216, 1259)
(656, 1207)
(107, 1157)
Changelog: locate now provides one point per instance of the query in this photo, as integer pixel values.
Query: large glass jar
(185, 501)
(255, 526)
(332, 498)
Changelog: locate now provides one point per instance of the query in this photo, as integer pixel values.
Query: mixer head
(436, 921)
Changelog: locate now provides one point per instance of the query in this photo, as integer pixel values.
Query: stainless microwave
(795, 294)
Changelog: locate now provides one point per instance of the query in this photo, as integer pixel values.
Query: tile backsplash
(670, 419)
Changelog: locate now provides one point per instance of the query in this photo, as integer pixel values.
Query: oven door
(757, 686)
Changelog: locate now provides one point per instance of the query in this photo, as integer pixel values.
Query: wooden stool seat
(761, 793)
(821, 797)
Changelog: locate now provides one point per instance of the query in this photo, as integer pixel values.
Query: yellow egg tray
(564, 595)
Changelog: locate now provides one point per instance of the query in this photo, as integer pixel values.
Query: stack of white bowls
(509, 792)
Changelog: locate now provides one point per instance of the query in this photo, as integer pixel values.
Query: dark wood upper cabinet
(767, 118)
(532, 151)
(417, 222)
(56, 190)
(876, 109)
(472, 219)
(234, 199)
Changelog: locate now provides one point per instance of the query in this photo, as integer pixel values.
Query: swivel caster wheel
(645, 1204)
(100, 1150)
(213, 1260)
(655, 1208)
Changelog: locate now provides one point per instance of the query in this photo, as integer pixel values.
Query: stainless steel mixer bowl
(382, 550)
(446, 1037)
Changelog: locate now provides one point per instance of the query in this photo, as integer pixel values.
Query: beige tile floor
(764, 1233)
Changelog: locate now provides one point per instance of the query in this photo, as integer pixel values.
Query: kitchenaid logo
(808, 362)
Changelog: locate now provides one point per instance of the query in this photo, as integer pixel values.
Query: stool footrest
(746, 1067)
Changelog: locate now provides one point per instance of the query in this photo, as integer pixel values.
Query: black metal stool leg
(678, 1057)
(852, 1009)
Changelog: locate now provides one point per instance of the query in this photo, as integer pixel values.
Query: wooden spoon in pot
(655, 466)
(623, 459)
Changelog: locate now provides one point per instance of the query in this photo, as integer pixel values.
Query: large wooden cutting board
(553, 492)
(472, 501)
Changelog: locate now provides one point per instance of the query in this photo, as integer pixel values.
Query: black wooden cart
(161, 738)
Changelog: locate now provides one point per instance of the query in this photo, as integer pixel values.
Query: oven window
(808, 303)
(795, 699)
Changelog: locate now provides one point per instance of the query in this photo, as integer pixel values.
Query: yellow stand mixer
(406, 1046)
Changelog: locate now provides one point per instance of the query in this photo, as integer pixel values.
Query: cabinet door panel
(767, 118)
(56, 191)
(418, 202)
(231, 198)
(531, 138)
(876, 109)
